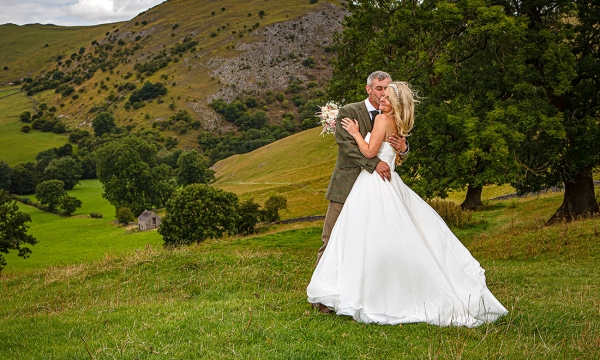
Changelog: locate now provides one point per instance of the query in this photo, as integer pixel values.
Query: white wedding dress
(391, 259)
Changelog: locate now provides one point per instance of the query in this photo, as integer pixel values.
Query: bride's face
(384, 103)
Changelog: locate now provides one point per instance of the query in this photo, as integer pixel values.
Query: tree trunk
(579, 199)
(473, 198)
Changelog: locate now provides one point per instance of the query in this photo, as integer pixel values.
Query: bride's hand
(350, 126)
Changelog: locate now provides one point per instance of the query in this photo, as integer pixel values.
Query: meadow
(79, 238)
(16, 146)
(245, 298)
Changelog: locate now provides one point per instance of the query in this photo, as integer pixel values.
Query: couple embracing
(387, 256)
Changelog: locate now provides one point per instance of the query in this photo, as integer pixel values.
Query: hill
(17, 146)
(28, 50)
(201, 50)
(297, 167)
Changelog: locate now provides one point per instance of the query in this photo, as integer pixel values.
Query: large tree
(6, 173)
(198, 212)
(463, 137)
(50, 193)
(129, 175)
(66, 169)
(558, 83)
(103, 123)
(13, 229)
(24, 179)
(192, 168)
(509, 90)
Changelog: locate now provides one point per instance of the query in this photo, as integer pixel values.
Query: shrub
(59, 127)
(47, 126)
(96, 215)
(125, 215)
(309, 62)
(25, 117)
(26, 128)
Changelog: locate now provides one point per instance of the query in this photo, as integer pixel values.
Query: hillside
(28, 50)
(297, 167)
(201, 50)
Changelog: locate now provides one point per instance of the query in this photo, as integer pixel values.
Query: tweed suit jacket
(350, 161)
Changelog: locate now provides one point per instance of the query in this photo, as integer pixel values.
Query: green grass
(80, 238)
(26, 53)
(298, 167)
(15, 145)
(245, 297)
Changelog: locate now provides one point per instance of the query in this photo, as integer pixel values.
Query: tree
(272, 206)
(125, 169)
(125, 215)
(69, 204)
(456, 53)
(66, 169)
(6, 174)
(50, 193)
(557, 81)
(103, 123)
(148, 91)
(24, 179)
(13, 229)
(192, 168)
(198, 212)
(249, 213)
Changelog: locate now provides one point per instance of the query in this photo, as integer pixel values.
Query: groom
(350, 160)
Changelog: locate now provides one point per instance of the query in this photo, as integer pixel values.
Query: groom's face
(376, 90)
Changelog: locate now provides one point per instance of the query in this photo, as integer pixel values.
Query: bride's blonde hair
(402, 99)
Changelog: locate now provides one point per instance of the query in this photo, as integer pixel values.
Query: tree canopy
(192, 168)
(508, 90)
(13, 229)
(130, 176)
(198, 212)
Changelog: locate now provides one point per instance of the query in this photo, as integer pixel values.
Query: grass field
(297, 167)
(16, 146)
(245, 298)
(29, 49)
(80, 238)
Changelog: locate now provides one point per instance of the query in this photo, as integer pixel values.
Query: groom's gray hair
(380, 75)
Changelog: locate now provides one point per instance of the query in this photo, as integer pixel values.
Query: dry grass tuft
(452, 213)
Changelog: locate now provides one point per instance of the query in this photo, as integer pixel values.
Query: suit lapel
(364, 118)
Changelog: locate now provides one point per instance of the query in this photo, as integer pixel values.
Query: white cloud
(71, 12)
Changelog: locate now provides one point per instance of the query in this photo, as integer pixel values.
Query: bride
(391, 259)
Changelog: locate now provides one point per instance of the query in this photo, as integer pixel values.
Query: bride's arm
(371, 148)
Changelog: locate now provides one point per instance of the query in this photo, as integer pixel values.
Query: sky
(71, 12)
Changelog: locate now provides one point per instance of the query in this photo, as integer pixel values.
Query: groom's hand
(383, 169)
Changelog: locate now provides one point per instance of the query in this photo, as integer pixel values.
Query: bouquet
(328, 115)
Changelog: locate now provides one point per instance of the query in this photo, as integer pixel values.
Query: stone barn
(148, 221)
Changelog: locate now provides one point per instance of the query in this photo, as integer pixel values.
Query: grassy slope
(246, 298)
(16, 146)
(28, 54)
(297, 167)
(80, 238)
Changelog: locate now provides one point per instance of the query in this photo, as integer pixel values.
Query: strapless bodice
(386, 152)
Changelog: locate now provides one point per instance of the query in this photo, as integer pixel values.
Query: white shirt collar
(369, 106)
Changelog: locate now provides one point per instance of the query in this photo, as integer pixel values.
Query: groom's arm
(347, 144)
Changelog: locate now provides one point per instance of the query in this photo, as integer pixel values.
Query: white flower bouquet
(328, 114)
